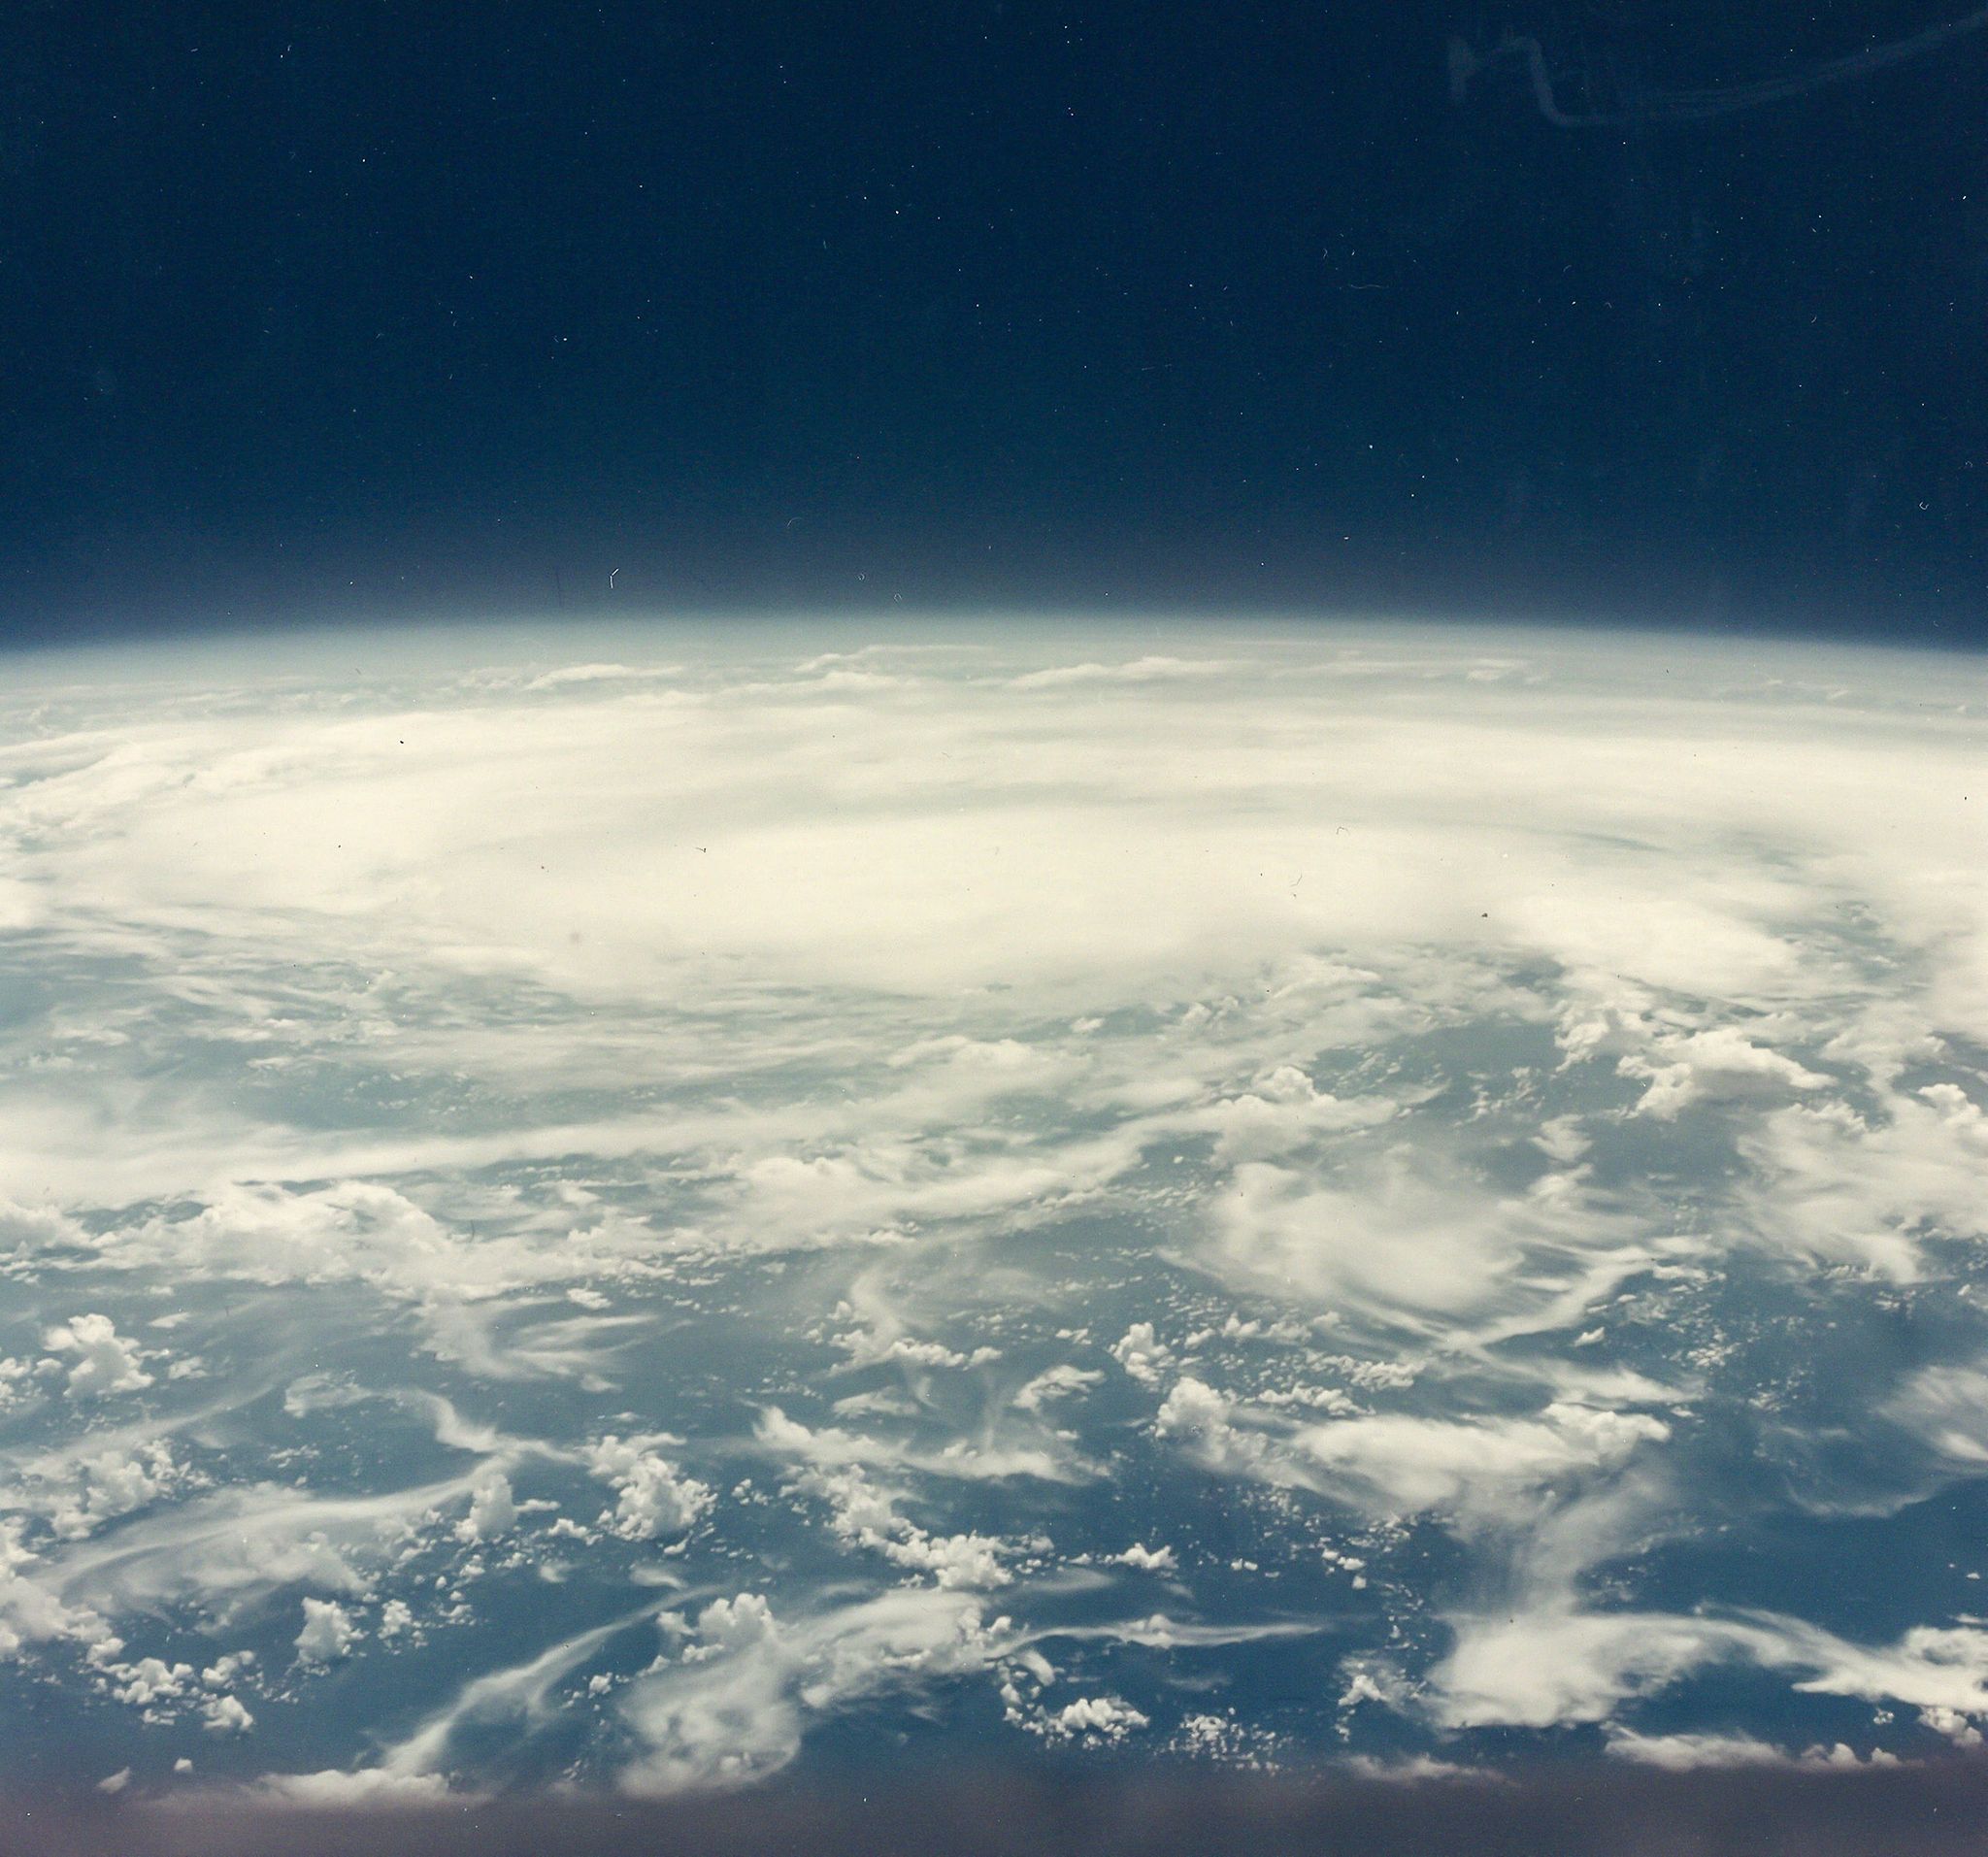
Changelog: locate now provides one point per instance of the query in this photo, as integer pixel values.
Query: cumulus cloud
(82, 1492)
(1198, 1418)
(139, 1682)
(1284, 1112)
(991, 1458)
(32, 1608)
(1090, 1718)
(339, 1790)
(329, 1632)
(1721, 1063)
(492, 1509)
(226, 1668)
(1142, 1354)
(1953, 1723)
(105, 1361)
(869, 1514)
(225, 1715)
(653, 1496)
(728, 1625)
(26, 1231)
(371, 1233)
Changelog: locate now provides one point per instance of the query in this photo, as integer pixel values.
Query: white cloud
(652, 1497)
(1156, 1631)
(329, 1632)
(142, 1682)
(942, 835)
(235, 1546)
(26, 1231)
(1090, 1718)
(991, 1458)
(79, 1493)
(601, 673)
(1482, 1471)
(1483, 1468)
(1681, 1753)
(225, 1715)
(1842, 1754)
(1142, 1354)
(1956, 1726)
(728, 1625)
(106, 1361)
(1554, 1665)
(226, 1668)
(1060, 1382)
(868, 1514)
(955, 1562)
(1392, 1237)
(797, 982)
(1830, 1183)
(1948, 1407)
(1145, 670)
(492, 1509)
(372, 1233)
(1285, 1111)
(32, 1609)
(1412, 1769)
(361, 1789)
(1718, 1064)
(1563, 1140)
(742, 1714)
(519, 1693)
(1546, 1666)
(1201, 1419)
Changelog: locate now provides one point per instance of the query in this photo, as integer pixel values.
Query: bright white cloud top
(1395, 1197)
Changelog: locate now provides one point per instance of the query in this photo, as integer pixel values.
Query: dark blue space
(348, 310)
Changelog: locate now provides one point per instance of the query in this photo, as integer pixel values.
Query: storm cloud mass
(700, 1209)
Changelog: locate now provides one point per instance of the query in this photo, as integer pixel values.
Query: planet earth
(640, 1210)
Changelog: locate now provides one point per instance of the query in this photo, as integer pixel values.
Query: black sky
(357, 309)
